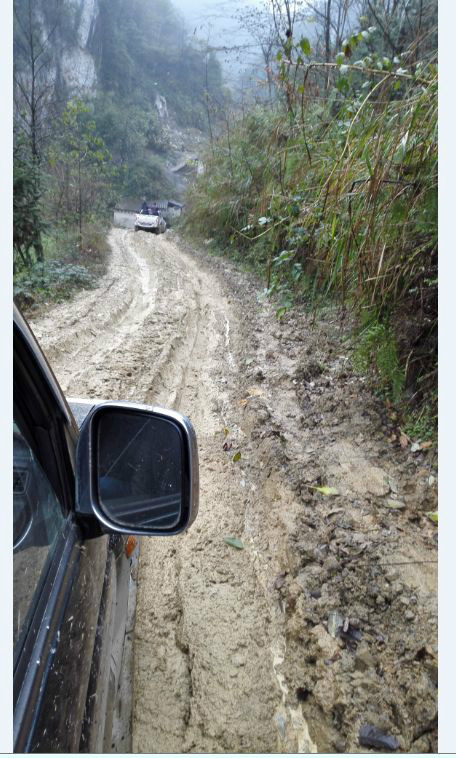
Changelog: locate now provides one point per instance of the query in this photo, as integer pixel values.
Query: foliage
(334, 192)
(146, 176)
(69, 265)
(421, 422)
(138, 143)
(50, 280)
(43, 30)
(258, 21)
(141, 50)
(81, 168)
(27, 218)
(62, 243)
(123, 128)
(404, 25)
(74, 156)
(376, 351)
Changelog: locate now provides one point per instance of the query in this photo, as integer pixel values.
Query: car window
(37, 520)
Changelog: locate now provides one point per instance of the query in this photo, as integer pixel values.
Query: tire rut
(215, 655)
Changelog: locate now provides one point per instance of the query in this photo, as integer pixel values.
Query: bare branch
(383, 29)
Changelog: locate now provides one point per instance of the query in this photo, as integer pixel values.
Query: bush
(376, 352)
(51, 280)
(62, 243)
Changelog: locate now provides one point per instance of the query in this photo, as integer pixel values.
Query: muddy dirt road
(325, 620)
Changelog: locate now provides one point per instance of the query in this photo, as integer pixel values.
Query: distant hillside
(133, 61)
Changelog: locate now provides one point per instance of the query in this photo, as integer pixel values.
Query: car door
(63, 585)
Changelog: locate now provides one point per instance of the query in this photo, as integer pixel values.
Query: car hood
(148, 220)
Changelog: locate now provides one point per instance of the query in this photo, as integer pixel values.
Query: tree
(333, 21)
(34, 83)
(32, 88)
(27, 216)
(259, 23)
(82, 166)
(286, 14)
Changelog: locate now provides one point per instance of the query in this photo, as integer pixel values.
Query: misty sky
(214, 22)
(219, 14)
(192, 8)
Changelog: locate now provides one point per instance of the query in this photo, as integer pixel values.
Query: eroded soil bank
(326, 619)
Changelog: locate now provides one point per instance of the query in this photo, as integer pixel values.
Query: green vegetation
(376, 349)
(61, 201)
(143, 52)
(332, 193)
(81, 169)
(28, 224)
(50, 280)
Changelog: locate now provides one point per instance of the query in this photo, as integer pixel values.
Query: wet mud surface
(324, 621)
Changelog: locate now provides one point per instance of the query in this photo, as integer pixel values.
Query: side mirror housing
(137, 470)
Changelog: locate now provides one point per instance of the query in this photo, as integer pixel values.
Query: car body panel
(29, 339)
(33, 665)
(59, 726)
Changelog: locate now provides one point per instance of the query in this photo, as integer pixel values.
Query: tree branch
(384, 31)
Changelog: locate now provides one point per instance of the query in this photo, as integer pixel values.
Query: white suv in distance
(150, 222)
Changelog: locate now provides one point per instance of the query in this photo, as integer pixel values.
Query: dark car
(86, 478)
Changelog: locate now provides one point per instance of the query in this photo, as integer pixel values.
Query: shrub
(62, 243)
(51, 280)
(376, 352)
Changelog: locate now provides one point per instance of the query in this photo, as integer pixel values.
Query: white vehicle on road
(150, 221)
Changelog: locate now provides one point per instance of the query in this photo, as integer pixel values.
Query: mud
(235, 649)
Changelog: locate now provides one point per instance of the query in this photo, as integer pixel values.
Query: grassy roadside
(337, 201)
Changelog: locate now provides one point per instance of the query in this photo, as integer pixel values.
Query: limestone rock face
(162, 107)
(88, 16)
(73, 65)
(77, 68)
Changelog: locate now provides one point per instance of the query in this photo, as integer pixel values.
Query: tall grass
(336, 195)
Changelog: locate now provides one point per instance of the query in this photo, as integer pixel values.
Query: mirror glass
(140, 469)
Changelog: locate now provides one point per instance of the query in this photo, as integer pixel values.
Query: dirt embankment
(324, 619)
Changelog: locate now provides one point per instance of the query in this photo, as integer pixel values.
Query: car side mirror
(137, 470)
